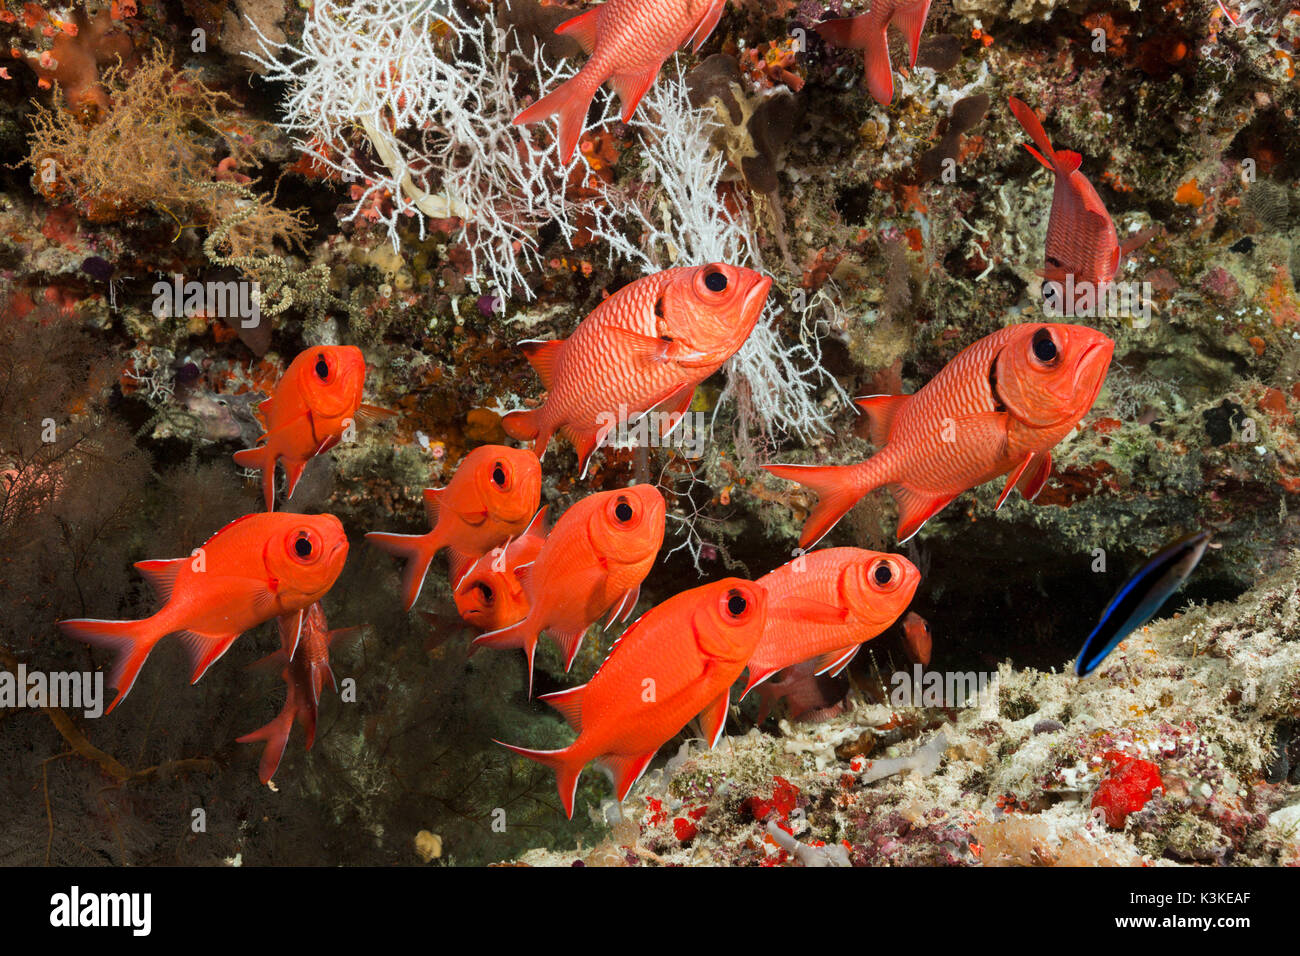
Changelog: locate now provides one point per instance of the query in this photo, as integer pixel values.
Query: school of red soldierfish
(995, 410)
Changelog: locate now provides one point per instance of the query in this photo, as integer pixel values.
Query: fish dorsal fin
(543, 356)
(713, 719)
(1068, 160)
(832, 662)
(161, 575)
(881, 411)
(915, 509)
(626, 769)
(569, 704)
(582, 28)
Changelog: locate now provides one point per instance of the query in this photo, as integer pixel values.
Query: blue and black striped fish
(1141, 597)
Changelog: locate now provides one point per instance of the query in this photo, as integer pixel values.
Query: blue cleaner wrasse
(1141, 597)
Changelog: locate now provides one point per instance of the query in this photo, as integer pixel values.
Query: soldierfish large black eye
(302, 546)
(715, 281)
(883, 573)
(485, 591)
(322, 368)
(623, 511)
(1044, 348)
(736, 603)
(499, 476)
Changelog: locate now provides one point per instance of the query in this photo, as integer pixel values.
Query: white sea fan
(431, 92)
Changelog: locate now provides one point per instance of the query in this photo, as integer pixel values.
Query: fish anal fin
(293, 471)
(582, 28)
(706, 25)
(569, 643)
(630, 87)
(713, 719)
(569, 704)
(544, 356)
(432, 505)
(881, 411)
(911, 20)
(626, 769)
(205, 650)
(161, 575)
(915, 508)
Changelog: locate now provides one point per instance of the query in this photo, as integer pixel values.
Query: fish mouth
(752, 305)
(1090, 372)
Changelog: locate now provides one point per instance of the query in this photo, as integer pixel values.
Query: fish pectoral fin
(630, 87)
(373, 414)
(582, 28)
(706, 25)
(713, 719)
(625, 769)
(587, 442)
(915, 508)
(161, 575)
(807, 611)
(205, 650)
(643, 348)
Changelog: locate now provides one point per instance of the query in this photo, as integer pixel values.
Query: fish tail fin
(416, 550)
(859, 33)
(566, 766)
(849, 33)
(911, 20)
(838, 489)
(130, 640)
(1029, 120)
(525, 424)
(276, 736)
(262, 458)
(569, 102)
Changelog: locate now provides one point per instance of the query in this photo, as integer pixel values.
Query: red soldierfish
(257, 567)
(676, 661)
(594, 559)
(490, 596)
(917, 640)
(491, 498)
(809, 697)
(317, 399)
(1081, 237)
(646, 346)
(864, 592)
(304, 673)
(870, 33)
(628, 41)
(997, 408)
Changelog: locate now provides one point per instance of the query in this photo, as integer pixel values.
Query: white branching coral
(431, 93)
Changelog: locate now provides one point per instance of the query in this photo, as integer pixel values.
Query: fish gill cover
(1003, 293)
